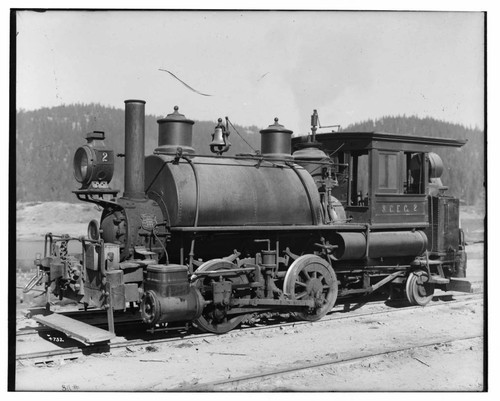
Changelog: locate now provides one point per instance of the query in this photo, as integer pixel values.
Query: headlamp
(93, 163)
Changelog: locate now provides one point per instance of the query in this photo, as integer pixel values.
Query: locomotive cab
(391, 184)
(384, 179)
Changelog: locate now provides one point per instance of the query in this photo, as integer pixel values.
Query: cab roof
(379, 140)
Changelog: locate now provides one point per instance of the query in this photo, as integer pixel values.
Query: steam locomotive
(213, 239)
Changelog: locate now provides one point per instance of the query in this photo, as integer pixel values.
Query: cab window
(388, 172)
(359, 179)
(415, 177)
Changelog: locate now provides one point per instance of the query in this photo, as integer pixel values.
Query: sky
(257, 65)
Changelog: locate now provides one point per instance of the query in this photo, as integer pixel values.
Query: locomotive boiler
(214, 239)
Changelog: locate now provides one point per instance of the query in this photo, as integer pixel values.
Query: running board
(74, 328)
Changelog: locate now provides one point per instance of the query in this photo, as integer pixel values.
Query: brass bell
(218, 138)
(219, 143)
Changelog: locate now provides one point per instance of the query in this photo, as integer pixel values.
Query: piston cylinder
(352, 245)
(169, 297)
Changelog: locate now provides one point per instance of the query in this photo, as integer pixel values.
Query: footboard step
(459, 285)
(75, 329)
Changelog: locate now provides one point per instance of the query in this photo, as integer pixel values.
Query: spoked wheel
(214, 318)
(311, 277)
(418, 289)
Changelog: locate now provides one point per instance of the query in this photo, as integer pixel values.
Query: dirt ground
(458, 366)
(35, 219)
(179, 366)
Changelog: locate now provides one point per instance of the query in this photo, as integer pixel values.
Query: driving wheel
(214, 318)
(311, 277)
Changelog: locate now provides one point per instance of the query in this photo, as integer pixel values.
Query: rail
(334, 315)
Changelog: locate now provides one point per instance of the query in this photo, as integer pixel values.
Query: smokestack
(134, 149)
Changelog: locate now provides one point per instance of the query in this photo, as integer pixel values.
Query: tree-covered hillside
(46, 140)
(464, 172)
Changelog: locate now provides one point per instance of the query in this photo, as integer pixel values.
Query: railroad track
(74, 352)
(231, 384)
(98, 317)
